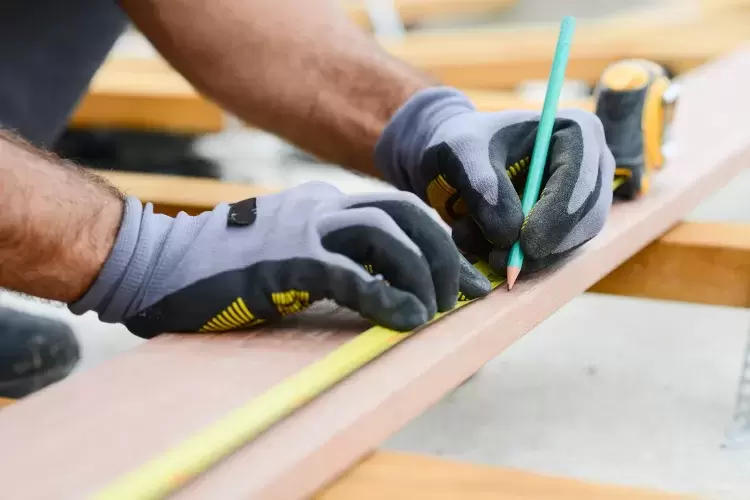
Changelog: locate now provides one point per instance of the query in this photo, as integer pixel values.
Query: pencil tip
(513, 273)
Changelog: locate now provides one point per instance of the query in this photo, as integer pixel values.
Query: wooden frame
(415, 11)
(145, 94)
(150, 95)
(403, 476)
(161, 392)
(703, 263)
(501, 60)
(171, 194)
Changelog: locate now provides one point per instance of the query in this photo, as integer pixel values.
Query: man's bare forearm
(301, 70)
(57, 222)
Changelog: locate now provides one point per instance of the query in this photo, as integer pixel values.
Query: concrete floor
(611, 389)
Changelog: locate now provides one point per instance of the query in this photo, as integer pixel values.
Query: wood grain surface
(149, 94)
(699, 262)
(502, 59)
(405, 476)
(414, 11)
(171, 194)
(84, 431)
(145, 94)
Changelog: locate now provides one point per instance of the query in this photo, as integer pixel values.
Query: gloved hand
(471, 167)
(259, 259)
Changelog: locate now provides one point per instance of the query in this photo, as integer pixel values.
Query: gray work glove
(471, 167)
(262, 258)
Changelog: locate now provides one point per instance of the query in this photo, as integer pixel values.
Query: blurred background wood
(406, 476)
(415, 11)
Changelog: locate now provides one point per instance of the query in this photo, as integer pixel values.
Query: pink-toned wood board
(75, 437)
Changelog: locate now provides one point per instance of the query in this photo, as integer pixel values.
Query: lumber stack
(162, 392)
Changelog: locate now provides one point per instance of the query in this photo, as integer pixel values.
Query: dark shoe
(34, 352)
(136, 151)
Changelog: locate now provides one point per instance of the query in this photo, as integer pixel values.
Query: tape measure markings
(182, 463)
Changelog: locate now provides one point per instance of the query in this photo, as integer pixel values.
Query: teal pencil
(543, 136)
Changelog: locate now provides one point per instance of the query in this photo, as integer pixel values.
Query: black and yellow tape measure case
(630, 104)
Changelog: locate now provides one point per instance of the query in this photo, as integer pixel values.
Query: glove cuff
(399, 150)
(136, 245)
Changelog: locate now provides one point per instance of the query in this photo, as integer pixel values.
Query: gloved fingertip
(498, 261)
(501, 225)
(407, 318)
(472, 283)
(385, 305)
(446, 298)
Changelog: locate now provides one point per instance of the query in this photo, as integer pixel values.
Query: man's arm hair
(299, 69)
(58, 222)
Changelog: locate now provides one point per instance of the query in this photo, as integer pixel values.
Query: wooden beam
(502, 59)
(145, 94)
(705, 263)
(417, 477)
(492, 100)
(723, 5)
(171, 194)
(148, 94)
(409, 476)
(406, 476)
(415, 11)
(163, 391)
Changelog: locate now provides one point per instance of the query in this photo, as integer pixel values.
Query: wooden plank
(148, 94)
(406, 476)
(164, 390)
(396, 476)
(171, 194)
(493, 100)
(145, 94)
(723, 4)
(415, 11)
(705, 263)
(417, 477)
(502, 59)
